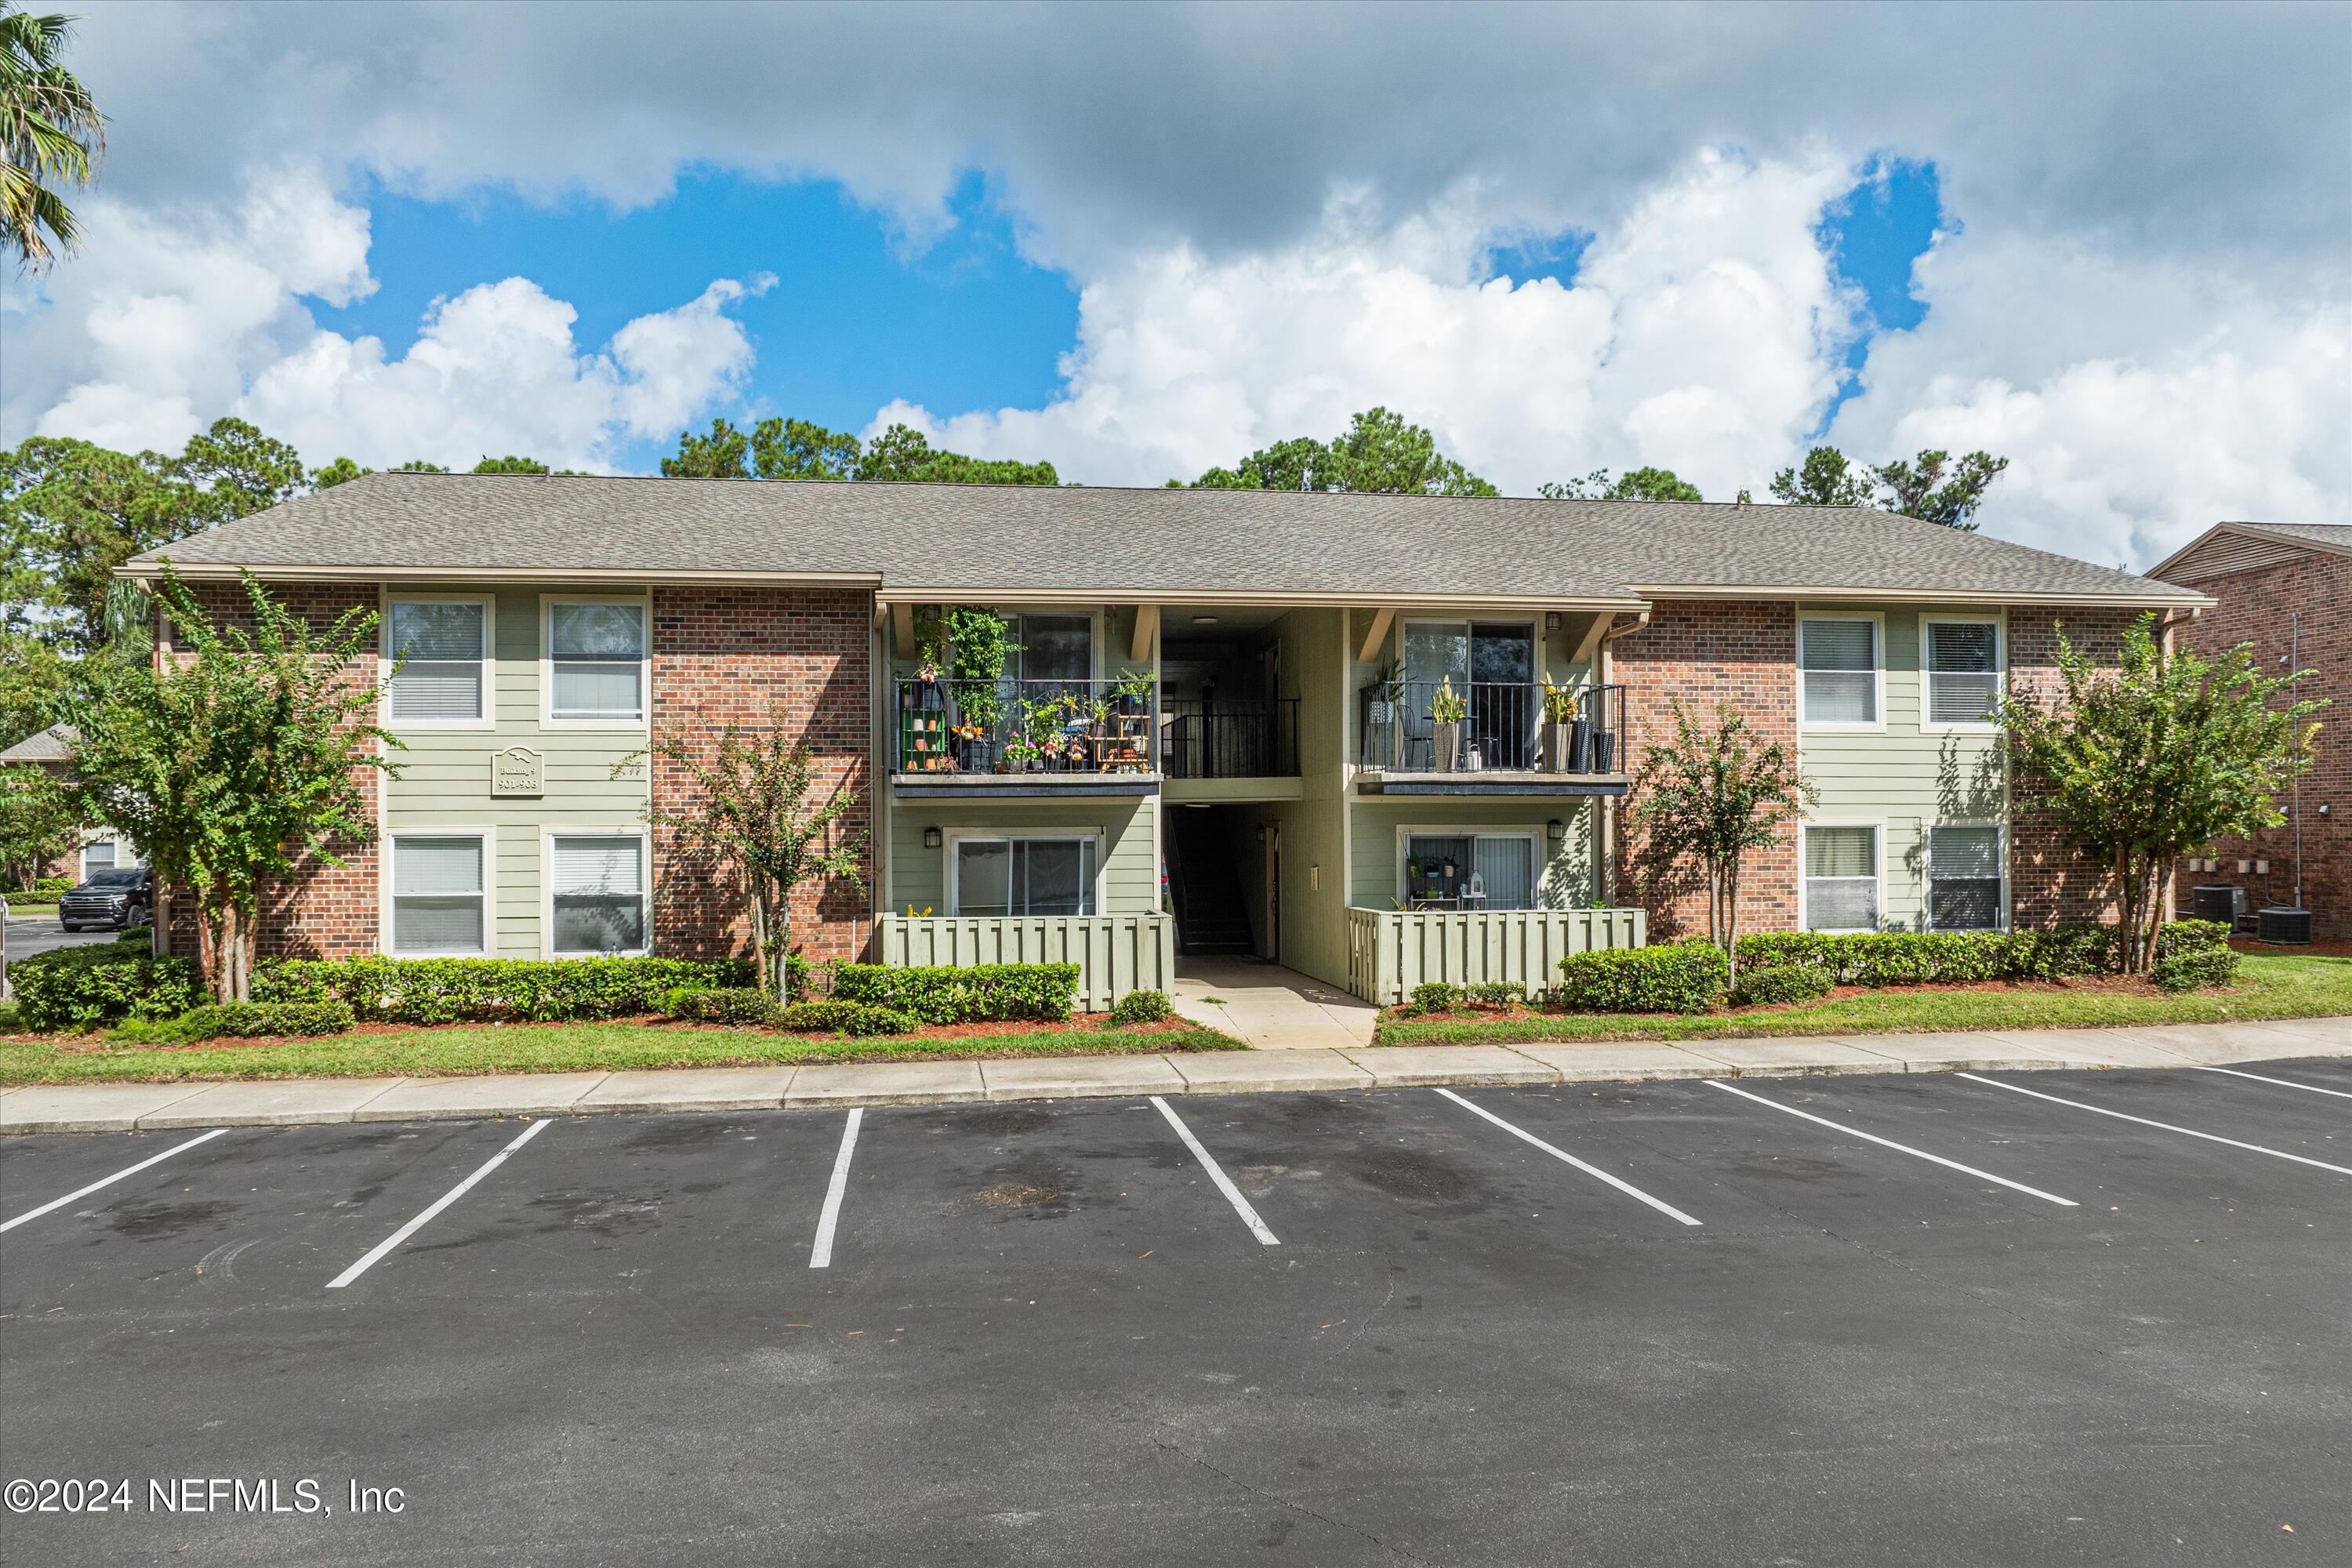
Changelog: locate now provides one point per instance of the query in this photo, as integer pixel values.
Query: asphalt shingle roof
(972, 538)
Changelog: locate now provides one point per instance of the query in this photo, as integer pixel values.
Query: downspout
(1603, 668)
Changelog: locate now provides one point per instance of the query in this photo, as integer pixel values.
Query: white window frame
(547, 716)
(548, 835)
(387, 897)
(1877, 618)
(1928, 887)
(953, 878)
(1878, 859)
(489, 717)
(1538, 832)
(1927, 679)
(1098, 631)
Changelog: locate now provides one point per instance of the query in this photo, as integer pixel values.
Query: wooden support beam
(1147, 629)
(1382, 620)
(902, 629)
(1592, 635)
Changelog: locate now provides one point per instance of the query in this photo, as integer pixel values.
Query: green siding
(446, 775)
(1130, 884)
(1905, 777)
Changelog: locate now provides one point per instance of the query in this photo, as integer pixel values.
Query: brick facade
(724, 656)
(2256, 608)
(1704, 653)
(2049, 882)
(322, 911)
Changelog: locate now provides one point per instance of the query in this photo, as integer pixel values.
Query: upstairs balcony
(954, 739)
(1492, 737)
(1220, 738)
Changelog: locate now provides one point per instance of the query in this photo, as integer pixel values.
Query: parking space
(1668, 1322)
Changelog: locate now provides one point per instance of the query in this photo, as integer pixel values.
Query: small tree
(230, 765)
(37, 822)
(752, 814)
(2163, 755)
(1710, 796)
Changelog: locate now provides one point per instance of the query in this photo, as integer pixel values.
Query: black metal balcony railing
(1501, 727)
(1230, 740)
(1027, 726)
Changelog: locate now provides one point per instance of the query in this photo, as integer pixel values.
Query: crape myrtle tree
(754, 815)
(37, 822)
(233, 762)
(2140, 764)
(1707, 797)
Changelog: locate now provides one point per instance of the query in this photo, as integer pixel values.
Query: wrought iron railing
(1490, 726)
(1027, 726)
(1231, 739)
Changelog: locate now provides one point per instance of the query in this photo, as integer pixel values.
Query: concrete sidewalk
(122, 1107)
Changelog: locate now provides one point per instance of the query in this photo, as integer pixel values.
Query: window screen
(1025, 877)
(1841, 879)
(1841, 664)
(1964, 878)
(442, 647)
(597, 652)
(1963, 671)
(436, 894)
(600, 895)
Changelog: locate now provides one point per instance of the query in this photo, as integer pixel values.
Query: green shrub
(1143, 1007)
(491, 990)
(1945, 957)
(2196, 969)
(984, 993)
(83, 988)
(1682, 978)
(240, 1020)
(728, 1004)
(1436, 997)
(1495, 995)
(1780, 983)
(840, 1017)
(2190, 936)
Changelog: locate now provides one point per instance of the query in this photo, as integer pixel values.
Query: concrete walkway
(122, 1107)
(1270, 1008)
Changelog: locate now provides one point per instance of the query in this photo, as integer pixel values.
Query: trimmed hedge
(1781, 982)
(1436, 997)
(1495, 995)
(492, 990)
(728, 1004)
(2196, 968)
(85, 988)
(1143, 1007)
(1681, 977)
(985, 992)
(839, 1017)
(240, 1020)
(1919, 958)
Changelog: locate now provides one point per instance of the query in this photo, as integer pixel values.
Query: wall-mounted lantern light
(933, 838)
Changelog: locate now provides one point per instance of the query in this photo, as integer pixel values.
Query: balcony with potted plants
(1492, 737)
(969, 738)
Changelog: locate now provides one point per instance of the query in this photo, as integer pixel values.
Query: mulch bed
(2337, 948)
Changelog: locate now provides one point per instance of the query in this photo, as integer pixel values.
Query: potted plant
(1446, 713)
(1562, 743)
(1133, 692)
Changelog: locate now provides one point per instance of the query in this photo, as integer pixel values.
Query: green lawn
(553, 1048)
(2268, 986)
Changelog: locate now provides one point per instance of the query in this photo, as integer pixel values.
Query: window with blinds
(1472, 870)
(1840, 661)
(1024, 877)
(1963, 671)
(442, 646)
(436, 896)
(598, 887)
(1964, 878)
(596, 653)
(1841, 879)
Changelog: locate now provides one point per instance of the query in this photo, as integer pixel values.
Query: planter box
(1446, 741)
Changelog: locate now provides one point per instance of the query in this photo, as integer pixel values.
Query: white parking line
(2281, 1082)
(1628, 1188)
(821, 1255)
(1217, 1175)
(443, 1201)
(109, 1181)
(1899, 1148)
(2167, 1126)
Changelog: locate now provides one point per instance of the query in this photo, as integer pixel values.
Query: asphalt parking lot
(1655, 1324)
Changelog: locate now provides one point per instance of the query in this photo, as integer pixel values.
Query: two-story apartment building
(1369, 738)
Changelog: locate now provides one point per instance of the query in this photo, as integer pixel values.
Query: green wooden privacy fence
(1115, 953)
(1391, 951)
